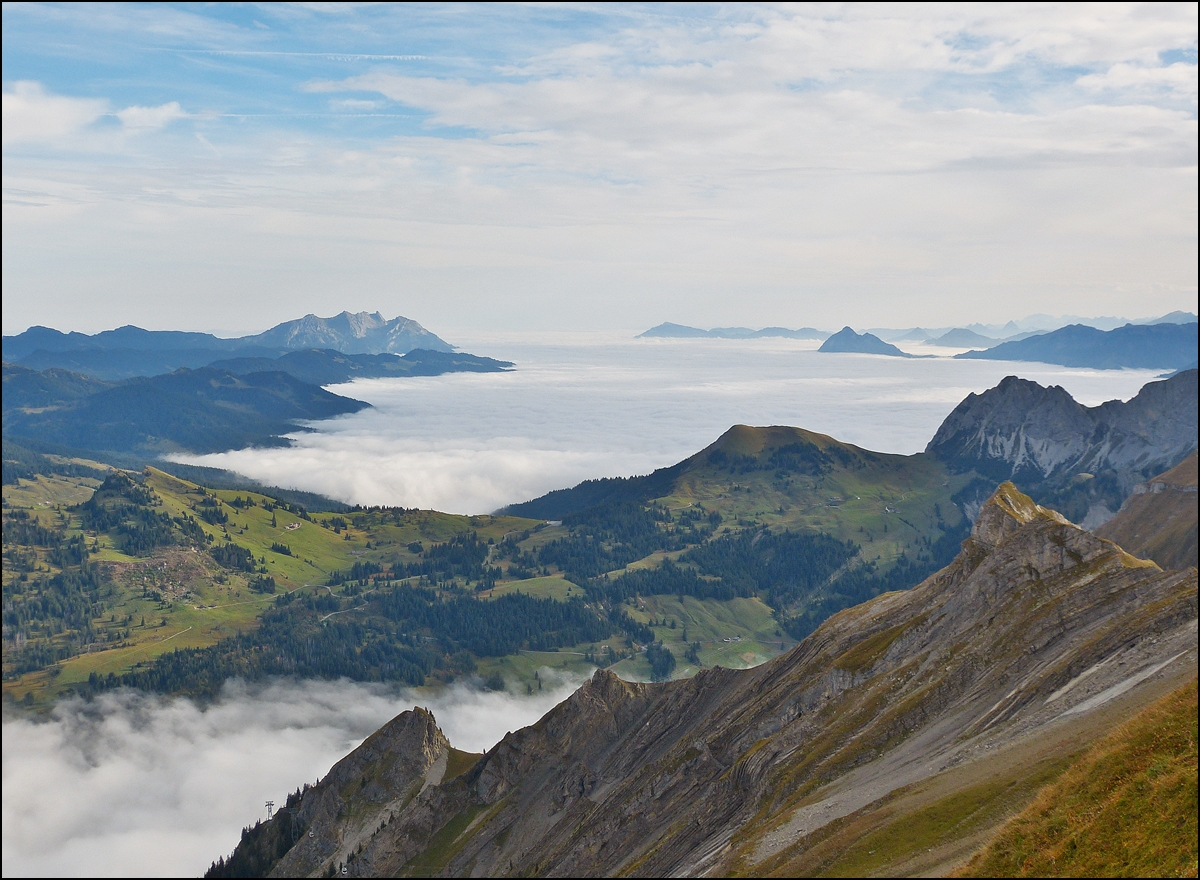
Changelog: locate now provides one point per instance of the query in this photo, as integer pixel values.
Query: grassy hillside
(1160, 523)
(750, 545)
(172, 592)
(1125, 809)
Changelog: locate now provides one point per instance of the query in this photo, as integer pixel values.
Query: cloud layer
(604, 168)
(136, 785)
(469, 443)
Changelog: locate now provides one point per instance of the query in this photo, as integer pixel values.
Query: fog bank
(582, 406)
(132, 784)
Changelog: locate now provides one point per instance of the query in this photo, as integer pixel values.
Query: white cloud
(138, 785)
(1178, 78)
(812, 165)
(151, 118)
(33, 115)
(353, 104)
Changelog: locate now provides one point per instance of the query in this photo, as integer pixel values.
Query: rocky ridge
(1035, 625)
(350, 333)
(1087, 458)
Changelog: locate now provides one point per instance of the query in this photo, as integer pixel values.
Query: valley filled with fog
(134, 784)
(584, 406)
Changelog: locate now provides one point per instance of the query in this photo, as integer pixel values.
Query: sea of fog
(590, 406)
(131, 784)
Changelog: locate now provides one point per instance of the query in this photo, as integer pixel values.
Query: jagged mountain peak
(1086, 460)
(351, 333)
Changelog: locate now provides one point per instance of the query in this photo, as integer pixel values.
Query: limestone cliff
(1087, 459)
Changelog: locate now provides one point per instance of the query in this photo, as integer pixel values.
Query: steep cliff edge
(317, 830)
(1036, 628)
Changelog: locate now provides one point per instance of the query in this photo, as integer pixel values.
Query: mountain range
(681, 331)
(131, 351)
(1086, 460)
(915, 722)
(1154, 346)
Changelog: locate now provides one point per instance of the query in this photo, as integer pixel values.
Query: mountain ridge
(1046, 441)
(1135, 346)
(158, 414)
(1027, 630)
(348, 332)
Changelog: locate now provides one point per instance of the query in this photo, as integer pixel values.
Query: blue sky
(572, 167)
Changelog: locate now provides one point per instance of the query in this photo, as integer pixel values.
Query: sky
(555, 167)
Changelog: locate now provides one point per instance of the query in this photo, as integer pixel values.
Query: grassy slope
(1127, 808)
(196, 609)
(1160, 525)
(885, 503)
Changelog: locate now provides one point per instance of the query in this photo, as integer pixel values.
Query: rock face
(846, 340)
(342, 811)
(1158, 521)
(349, 333)
(1079, 458)
(1036, 622)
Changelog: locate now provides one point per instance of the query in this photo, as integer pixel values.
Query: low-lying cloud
(131, 784)
(470, 443)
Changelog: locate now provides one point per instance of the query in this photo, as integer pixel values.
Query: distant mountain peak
(351, 333)
(846, 340)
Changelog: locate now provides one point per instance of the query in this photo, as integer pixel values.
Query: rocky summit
(1034, 640)
(1087, 459)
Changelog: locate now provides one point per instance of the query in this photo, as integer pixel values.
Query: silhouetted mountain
(203, 410)
(25, 388)
(125, 363)
(680, 331)
(1144, 346)
(846, 340)
(132, 338)
(961, 338)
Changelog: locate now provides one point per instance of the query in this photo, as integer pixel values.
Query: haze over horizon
(499, 169)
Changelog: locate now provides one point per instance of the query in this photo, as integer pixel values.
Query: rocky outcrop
(1036, 621)
(1083, 460)
(317, 831)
